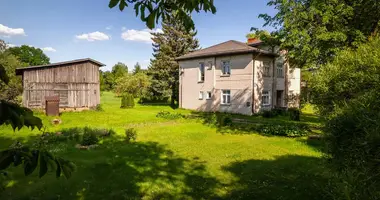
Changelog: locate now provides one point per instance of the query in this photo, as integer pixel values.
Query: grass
(171, 159)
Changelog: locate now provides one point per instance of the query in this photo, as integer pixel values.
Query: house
(76, 83)
(237, 77)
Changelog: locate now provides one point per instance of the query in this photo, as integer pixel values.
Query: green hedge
(127, 101)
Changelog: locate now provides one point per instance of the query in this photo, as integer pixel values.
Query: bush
(168, 115)
(154, 100)
(99, 108)
(294, 130)
(353, 139)
(130, 134)
(294, 114)
(73, 133)
(127, 101)
(90, 136)
(268, 114)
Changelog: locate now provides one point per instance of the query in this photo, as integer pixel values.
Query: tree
(137, 68)
(11, 90)
(172, 43)
(29, 55)
(135, 85)
(314, 31)
(151, 11)
(346, 92)
(119, 70)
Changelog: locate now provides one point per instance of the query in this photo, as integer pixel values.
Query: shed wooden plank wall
(77, 85)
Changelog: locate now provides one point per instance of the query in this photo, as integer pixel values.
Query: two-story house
(237, 77)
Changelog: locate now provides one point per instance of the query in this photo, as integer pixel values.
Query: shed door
(63, 91)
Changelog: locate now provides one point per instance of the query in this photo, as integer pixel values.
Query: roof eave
(181, 58)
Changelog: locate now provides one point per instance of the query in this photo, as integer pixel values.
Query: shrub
(73, 133)
(127, 101)
(353, 139)
(293, 130)
(90, 136)
(294, 114)
(153, 100)
(268, 114)
(99, 108)
(168, 115)
(130, 134)
(52, 137)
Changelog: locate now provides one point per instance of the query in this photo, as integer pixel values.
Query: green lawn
(171, 159)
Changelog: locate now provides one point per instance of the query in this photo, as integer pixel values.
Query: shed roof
(21, 69)
(226, 48)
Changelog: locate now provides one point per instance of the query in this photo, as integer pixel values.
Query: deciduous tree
(29, 55)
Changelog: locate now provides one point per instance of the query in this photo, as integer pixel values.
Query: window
(280, 70)
(266, 68)
(226, 97)
(201, 72)
(209, 65)
(209, 95)
(200, 95)
(226, 68)
(265, 98)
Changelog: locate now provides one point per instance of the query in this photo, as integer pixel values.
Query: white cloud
(139, 35)
(123, 28)
(109, 27)
(93, 36)
(51, 49)
(6, 31)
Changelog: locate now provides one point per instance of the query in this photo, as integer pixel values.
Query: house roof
(21, 69)
(226, 48)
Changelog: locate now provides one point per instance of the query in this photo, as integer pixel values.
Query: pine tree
(137, 68)
(173, 42)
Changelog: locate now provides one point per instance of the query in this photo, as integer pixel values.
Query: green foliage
(352, 74)
(90, 136)
(31, 56)
(294, 130)
(137, 68)
(17, 117)
(31, 159)
(99, 108)
(151, 12)
(12, 88)
(314, 31)
(175, 41)
(127, 101)
(168, 115)
(107, 81)
(119, 70)
(268, 114)
(294, 114)
(136, 84)
(130, 134)
(148, 99)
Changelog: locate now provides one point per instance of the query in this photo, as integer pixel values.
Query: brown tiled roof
(21, 69)
(225, 48)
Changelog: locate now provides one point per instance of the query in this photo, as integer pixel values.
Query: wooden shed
(76, 83)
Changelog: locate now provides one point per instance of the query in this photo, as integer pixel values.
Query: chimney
(252, 40)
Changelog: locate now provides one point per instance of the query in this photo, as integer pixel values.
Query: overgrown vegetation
(130, 134)
(169, 115)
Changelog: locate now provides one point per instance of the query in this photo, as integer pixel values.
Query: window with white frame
(280, 70)
(265, 98)
(226, 97)
(266, 70)
(201, 77)
(200, 95)
(209, 65)
(226, 68)
(208, 95)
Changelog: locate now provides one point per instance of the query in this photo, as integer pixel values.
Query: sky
(73, 29)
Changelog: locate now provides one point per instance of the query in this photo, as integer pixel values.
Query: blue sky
(72, 29)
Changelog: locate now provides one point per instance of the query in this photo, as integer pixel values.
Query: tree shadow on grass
(286, 177)
(119, 170)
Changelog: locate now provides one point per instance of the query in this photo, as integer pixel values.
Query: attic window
(226, 68)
